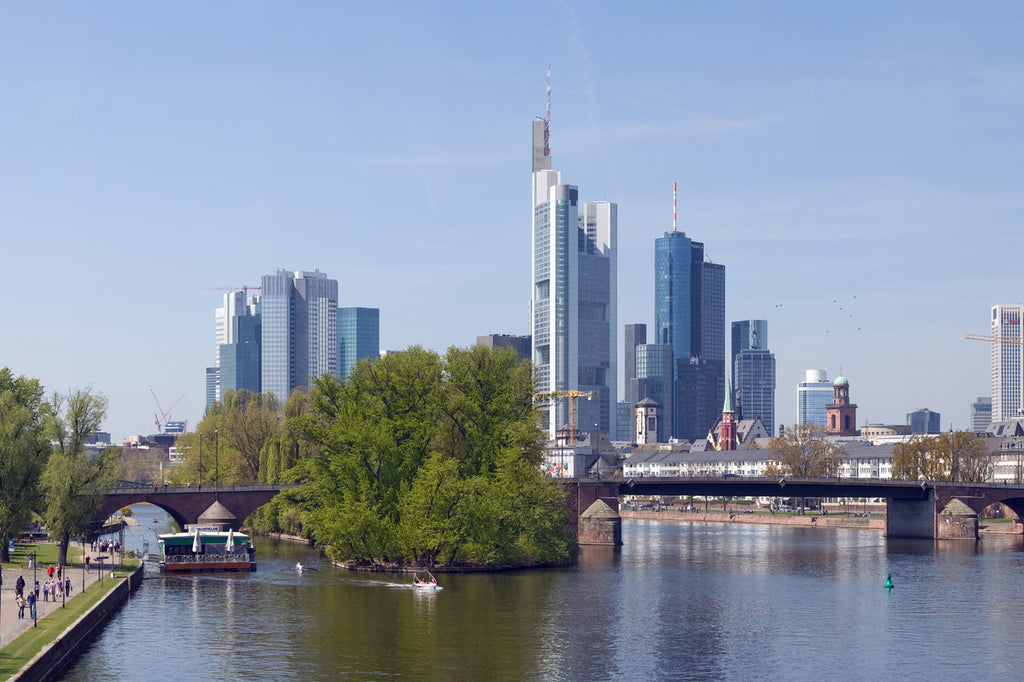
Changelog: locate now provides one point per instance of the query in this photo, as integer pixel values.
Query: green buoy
(888, 582)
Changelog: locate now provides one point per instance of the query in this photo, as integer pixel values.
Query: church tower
(841, 415)
(727, 434)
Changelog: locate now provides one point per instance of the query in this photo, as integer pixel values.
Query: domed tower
(841, 415)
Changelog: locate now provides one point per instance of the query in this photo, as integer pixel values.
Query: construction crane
(244, 289)
(163, 419)
(572, 395)
(1017, 340)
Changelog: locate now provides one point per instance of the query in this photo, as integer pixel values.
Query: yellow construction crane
(549, 397)
(1017, 340)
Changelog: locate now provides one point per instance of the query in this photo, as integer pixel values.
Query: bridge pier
(908, 518)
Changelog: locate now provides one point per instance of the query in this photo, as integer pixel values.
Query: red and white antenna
(547, 119)
(673, 206)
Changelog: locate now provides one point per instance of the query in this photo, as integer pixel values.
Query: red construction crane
(165, 416)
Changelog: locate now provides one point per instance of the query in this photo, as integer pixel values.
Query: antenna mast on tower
(547, 119)
(673, 205)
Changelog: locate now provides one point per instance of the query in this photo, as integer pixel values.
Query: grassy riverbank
(14, 654)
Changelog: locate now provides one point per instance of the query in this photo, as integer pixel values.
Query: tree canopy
(952, 456)
(804, 450)
(24, 449)
(429, 460)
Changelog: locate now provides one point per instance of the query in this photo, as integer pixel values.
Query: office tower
(655, 380)
(212, 385)
(573, 322)
(689, 307)
(624, 421)
(636, 335)
(753, 372)
(299, 330)
(924, 421)
(520, 344)
(813, 394)
(1007, 362)
(981, 414)
(240, 360)
(358, 337)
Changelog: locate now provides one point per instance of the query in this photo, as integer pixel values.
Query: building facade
(814, 395)
(924, 421)
(358, 337)
(573, 316)
(654, 369)
(635, 335)
(689, 310)
(981, 414)
(299, 330)
(753, 372)
(520, 344)
(1007, 362)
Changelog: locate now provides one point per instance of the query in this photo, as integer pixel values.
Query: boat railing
(232, 558)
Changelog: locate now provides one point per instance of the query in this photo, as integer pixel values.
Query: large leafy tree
(73, 484)
(804, 450)
(953, 456)
(24, 448)
(433, 460)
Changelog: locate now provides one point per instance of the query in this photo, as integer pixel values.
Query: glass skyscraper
(655, 380)
(753, 372)
(358, 337)
(1007, 362)
(689, 310)
(573, 318)
(299, 330)
(814, 395)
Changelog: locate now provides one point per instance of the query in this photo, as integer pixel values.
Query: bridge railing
(231, 558)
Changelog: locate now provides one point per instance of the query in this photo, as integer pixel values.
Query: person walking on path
(49, 571)
(19, 586)
(87, 563)
(36, 590)
(67, 586)
(20, 601)
(32, 605)
(46, 590)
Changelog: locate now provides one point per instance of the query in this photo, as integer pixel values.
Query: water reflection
(678, 601)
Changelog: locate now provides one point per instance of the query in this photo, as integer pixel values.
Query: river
(677, 601)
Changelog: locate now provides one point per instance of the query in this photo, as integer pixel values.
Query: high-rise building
(924, 421)
(1007, 362)
(520, 344)
(635, 335)
(814, 395)
(573, 320)
(358, 337)
(655, 380)
(212, 385)
(753, 372)
(240, 360)
(299, 330)
(981, 414)
(689, 309)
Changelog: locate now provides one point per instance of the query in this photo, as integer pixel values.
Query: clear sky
(856, 167)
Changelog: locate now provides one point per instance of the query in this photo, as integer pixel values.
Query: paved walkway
(10, 625)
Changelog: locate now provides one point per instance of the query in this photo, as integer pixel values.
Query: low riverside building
(864, 460)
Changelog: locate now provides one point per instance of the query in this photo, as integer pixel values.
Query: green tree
(805, 451)
(23, 452)
(429, 460)
(950, 456)
(73, 485)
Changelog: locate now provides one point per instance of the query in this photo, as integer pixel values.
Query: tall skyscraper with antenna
(573, 316)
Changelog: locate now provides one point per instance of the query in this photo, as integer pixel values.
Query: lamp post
(200, 460)
(216, 463)
(35, 595)
(83, 563)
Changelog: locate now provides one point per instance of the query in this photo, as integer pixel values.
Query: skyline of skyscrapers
(573, 316)
(292, 331)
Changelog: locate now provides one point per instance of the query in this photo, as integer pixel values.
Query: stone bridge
(914, 509)
(186, 504)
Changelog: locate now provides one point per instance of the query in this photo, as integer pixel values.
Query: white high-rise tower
(1007, 362)
(573, 317)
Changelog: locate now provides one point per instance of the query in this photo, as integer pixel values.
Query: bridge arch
(186, 504)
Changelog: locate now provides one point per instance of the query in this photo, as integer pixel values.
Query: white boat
(205, 550)
(424, 581)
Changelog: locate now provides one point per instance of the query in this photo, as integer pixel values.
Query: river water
(676, 602)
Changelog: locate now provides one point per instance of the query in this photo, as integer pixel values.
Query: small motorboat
(299, 567)
(424, 581)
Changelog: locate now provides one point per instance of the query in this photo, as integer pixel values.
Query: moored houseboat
(206, 550)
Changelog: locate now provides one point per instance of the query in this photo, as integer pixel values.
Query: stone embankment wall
(49, 663)
(809, 521)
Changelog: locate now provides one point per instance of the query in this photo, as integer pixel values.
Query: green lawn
(15, 654)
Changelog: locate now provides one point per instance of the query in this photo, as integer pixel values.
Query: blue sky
(855, 166)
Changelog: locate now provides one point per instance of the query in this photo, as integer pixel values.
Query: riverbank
(875, 522)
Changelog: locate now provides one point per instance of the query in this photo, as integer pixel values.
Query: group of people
(56, 585)
(106, 546)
